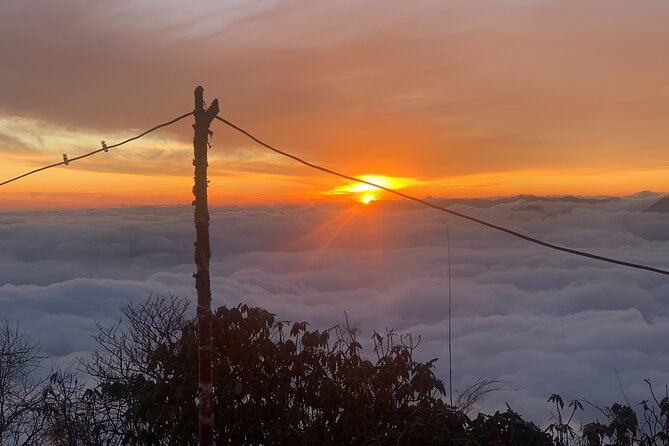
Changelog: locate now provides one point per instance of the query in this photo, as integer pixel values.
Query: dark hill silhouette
(488, 202)
(485, 203)
(662, 205)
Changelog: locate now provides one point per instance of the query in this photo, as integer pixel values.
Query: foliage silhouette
(19, 387)
(280, 383)
(276, 382)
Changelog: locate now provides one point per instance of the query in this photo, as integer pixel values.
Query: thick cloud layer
(544, 321)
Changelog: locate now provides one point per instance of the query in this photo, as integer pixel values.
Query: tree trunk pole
(202, 254)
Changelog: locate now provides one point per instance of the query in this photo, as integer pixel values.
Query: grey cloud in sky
(11, 144)
(545, 83)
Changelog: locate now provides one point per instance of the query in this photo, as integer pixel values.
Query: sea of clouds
(543, 321)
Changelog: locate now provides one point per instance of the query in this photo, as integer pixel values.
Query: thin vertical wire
(450, 359)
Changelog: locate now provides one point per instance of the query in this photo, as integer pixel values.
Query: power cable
(452, 212)
(104, 148)
(450, 356)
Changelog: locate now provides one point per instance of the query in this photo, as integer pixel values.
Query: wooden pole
(203, 119)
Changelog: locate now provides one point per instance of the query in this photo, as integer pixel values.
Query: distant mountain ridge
(485, 203)
(662, 205)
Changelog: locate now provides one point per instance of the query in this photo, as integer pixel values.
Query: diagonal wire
(103, 149)
(450, 211)
(450, 351)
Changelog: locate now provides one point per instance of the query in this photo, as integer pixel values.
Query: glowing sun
(367, 199)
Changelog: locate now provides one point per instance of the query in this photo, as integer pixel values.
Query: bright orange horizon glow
(73, 187)
(382, 180)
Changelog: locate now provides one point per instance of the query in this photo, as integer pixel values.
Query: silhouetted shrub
(280, 383)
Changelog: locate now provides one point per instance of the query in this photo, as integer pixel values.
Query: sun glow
(384, 181)
(366, 199)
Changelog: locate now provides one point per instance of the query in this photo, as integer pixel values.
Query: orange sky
(463, 98)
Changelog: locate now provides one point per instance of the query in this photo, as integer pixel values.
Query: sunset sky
(451, 98)
(443, 99)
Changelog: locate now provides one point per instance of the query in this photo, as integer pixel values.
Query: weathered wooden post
(203, 119)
